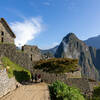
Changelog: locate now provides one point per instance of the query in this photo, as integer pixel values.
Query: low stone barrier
(81, 83)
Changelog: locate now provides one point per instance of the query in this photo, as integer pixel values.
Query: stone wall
(93, 84)
(7, 37)
(76, 74)
(6, 84)
(16, 56)
(82, 83)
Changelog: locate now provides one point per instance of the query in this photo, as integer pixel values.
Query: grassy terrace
(13, 69)
(58, 65)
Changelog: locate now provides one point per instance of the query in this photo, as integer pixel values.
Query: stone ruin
(33, 52)
(26, 58)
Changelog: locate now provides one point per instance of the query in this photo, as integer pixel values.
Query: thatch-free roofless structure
(6, 34)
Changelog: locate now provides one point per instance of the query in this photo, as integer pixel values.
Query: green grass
(58, 65)
(20, 51)
(14, 68)
(7, 43)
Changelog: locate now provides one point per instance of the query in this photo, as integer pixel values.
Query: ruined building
(33, 52)
(7, 37)
(6, 34)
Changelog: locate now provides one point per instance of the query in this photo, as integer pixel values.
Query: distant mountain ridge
(94, 42)
(52, 50)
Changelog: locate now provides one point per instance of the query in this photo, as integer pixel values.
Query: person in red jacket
(39, 78)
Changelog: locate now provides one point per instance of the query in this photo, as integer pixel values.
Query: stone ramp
(29, 92)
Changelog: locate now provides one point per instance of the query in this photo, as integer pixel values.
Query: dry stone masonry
(85, 86)
(6, 34)
(33, 52)
(6, 84)
(16, 56)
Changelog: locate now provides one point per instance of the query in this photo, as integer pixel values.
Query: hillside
(60, 65)
(94, 42)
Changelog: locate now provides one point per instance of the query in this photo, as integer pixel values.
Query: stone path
(29, 92)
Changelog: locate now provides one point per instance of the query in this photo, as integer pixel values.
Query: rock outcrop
(72, 47)
(95, 54)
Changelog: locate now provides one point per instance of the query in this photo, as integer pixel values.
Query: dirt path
(29, 92)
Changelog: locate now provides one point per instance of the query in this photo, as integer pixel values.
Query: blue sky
(45, 22)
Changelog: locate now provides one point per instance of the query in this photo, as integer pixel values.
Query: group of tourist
(36, 78)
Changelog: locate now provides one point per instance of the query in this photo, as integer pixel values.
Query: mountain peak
(70, 36)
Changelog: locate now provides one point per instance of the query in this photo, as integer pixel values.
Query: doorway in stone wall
(2, 39)
(31, 57)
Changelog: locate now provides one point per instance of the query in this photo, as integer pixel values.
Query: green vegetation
(96, 93)
(7, 43)
(20, 73)
(21, 76)
(20, 51)
(60, 91)
(58, 65)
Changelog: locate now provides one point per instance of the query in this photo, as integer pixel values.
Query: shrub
(21, 76)
(60, 91)
(96, 93)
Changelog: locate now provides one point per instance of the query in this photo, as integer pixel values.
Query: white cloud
(26, 30)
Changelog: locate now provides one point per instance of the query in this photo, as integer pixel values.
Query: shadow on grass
(21, 76)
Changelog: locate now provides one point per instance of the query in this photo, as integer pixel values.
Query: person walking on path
(32, 77)
(39, 78)
(36, 78)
